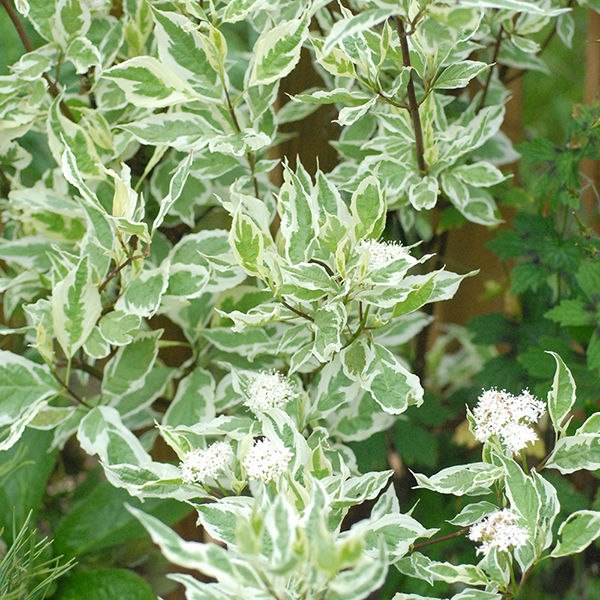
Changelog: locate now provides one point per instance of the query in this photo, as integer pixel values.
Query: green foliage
(230, 333)
(25, 571)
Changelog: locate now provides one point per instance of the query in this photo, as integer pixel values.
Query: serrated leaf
(573, 313)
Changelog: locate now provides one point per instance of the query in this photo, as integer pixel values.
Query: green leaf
(481, 174)
(143, 295)
(368, 209)
(298, 212)
(581, 451)
(119, 328)
(459, 74)
(76, 306)
(515, 5)
(357, 583)
(329, 321)
(100, 520)
(149, 83)
(391, 384)
(23, 384)
(194, 401)
(424, 194)
(573, 313)
(415, 299)
(472, 479)
(102, 432)
(126, 370)
(105, 584)
(23, 487)
(472, 513)
(356, 24)
(579, 530)
(180, 49)
(210, 559)
(562, 396)
(277, 51)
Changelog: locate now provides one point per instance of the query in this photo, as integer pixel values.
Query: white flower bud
(269, 389)
(508, 417)
(267, 459)
(200, 465)
(498, 530)
(381, 254)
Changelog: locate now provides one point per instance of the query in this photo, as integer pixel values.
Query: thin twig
(543, 46)
(120, 267)
(441, 539)
(52, 87)
(249, 156)
(67, 389)
(491, 69)
(412, 98)
(296, 311)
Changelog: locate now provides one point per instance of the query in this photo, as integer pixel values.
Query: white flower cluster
(498, 530)
(381, 254)
(200, 465)
(269, 389)
(508, 417)
(267, 459)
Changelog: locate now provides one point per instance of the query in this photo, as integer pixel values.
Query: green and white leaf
(76, 306)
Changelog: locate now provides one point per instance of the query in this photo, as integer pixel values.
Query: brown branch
(52, 88)
(120, 267)
(67, 389)
(249, 156)
(296, 311)
(441, 539)
(14, 17)
(491, 70)
(412, 98)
